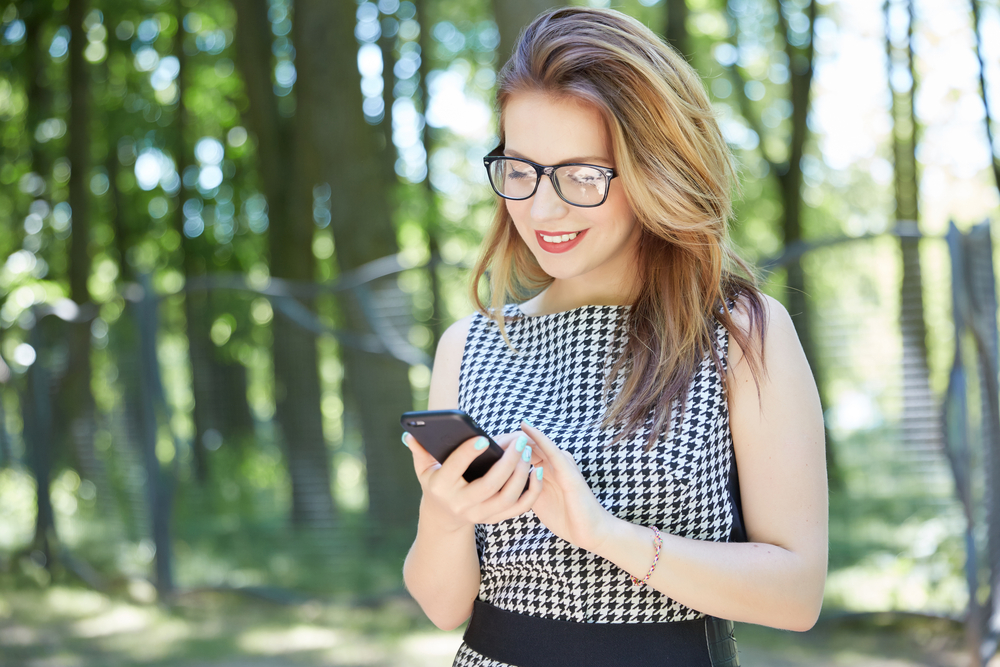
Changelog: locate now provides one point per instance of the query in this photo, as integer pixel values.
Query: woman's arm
(442, 568)
(777, 578)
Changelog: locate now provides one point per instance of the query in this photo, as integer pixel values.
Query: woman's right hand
(497, 495)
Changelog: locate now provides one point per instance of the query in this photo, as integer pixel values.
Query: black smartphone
(440, 432)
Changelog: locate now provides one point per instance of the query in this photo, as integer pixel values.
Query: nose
(546, 204)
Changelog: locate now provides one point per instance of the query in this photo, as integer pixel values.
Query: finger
(490, 483)
(546, 449)
(422, 459)
(460, 459)
(514, 486)
(507, 439)
(527, 499)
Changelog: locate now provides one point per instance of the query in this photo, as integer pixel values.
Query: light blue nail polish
(522, 440)
(527, 453)
(404, 438)
(527, 423)
(481, 443)
(538, 473)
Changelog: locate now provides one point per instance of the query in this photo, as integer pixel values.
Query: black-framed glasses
(584, 185)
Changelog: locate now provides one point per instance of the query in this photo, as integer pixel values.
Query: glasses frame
(609, 174)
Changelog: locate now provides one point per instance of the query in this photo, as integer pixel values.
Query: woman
(632, 368)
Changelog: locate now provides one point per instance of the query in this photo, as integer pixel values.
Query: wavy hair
(678, 177)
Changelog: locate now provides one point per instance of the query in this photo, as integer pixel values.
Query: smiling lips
(557, 242)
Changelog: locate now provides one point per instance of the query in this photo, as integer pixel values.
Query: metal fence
(909, 379)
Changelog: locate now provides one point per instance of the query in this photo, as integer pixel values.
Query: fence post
(981, 286)
(159, 493)
(974, 309)
(37, 411)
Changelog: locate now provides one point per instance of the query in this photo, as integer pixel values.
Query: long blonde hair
(678, 176)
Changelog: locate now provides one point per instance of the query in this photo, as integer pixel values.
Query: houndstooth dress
(555, 379)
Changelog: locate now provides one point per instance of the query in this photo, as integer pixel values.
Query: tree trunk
(221, 409)
(378, 385)
(994, 160)
(513, 16)
(76, 402)
(676, 27)
(788, 173)
(387, 43)
(288, 179)
(432, 214)
(921, 427)
(39, 96)
(199, 343)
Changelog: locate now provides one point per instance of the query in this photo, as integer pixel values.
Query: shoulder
(448, 365)
(763, 324)
(766, 364)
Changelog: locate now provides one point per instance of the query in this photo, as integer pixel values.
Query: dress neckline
(517, 307)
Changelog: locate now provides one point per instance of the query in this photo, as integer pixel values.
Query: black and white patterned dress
(555, 379)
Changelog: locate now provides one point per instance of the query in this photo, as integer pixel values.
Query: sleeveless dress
(556, 380)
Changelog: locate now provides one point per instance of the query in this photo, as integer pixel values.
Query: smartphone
(440, 432)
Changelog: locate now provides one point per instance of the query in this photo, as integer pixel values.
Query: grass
(257, 594)
(69, 626)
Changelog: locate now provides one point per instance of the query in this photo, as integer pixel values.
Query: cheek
(519, 212)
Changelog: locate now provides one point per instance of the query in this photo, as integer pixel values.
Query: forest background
(233, 231)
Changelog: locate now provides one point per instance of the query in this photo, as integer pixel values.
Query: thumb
(422, 459)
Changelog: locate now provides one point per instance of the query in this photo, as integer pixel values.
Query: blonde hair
(678, 176)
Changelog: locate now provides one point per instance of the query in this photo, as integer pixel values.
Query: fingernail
(538, 473)
(481, 443)
(522, 440)
(527, 423)
(404, 438)
(527, 453)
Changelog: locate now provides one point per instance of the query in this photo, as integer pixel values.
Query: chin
(561, 272)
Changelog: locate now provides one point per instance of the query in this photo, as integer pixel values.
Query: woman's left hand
(566, 505)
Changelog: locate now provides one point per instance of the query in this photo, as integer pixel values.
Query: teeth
(560, 239)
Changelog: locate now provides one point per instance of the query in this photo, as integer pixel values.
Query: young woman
(631, 369)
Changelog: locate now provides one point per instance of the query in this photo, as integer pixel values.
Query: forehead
(551, 129)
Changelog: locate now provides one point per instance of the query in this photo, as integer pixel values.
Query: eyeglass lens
(576, 184)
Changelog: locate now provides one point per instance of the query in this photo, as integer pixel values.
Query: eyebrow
(590, 159)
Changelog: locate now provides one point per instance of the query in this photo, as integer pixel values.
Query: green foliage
(168, 96)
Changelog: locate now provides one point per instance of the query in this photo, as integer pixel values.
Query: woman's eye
(516, 174)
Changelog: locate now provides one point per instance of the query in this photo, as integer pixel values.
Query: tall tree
(288, 176)
(76, 401)
(990, 137)
(378, 385)
(786, 166)
(195, 313)
(512, 16)
(921, 427)
(219, 386)
(432, 215)
(676, 26)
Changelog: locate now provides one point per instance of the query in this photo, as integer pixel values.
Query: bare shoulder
(448, 365)
(784, 378)
(769, 330)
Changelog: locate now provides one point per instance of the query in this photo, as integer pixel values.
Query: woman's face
(552, 130)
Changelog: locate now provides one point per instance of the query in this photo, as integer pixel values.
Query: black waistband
(529, 641)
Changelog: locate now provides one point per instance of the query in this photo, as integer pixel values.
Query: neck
(563, 295)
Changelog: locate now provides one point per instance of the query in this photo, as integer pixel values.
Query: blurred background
(233, 230)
